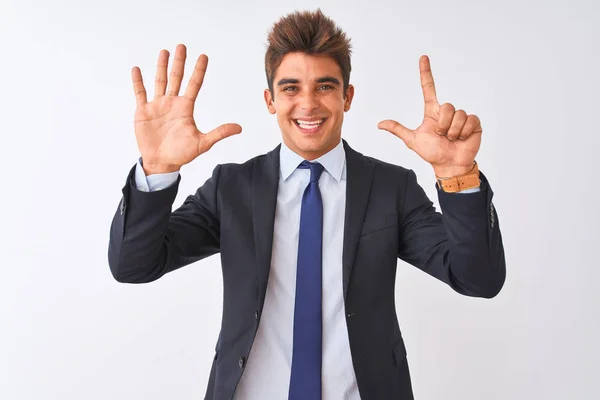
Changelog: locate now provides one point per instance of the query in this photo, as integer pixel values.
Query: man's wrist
(451, 172)
(152, 169)
(458, 183)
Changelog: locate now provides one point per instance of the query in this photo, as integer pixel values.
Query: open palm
(165, 129)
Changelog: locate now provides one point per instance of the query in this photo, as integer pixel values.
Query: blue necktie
(305, 380)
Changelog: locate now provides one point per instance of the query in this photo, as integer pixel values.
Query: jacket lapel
(359, 176)
(265, 182)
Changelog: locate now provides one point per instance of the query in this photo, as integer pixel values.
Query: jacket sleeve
(147, 240)
(462, 246)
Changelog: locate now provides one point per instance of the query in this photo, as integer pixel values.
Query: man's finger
(427, 83)
(195, 83)
(456, 127)
(138, 87)
(160, 83)
(177, 70)
(445, 119)
(397, 129)
(471, 125)
(221, 133)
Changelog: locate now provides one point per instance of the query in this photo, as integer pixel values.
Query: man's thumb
(397, 129)
(221, 133)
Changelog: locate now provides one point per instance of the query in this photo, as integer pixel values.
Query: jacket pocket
(379, 223)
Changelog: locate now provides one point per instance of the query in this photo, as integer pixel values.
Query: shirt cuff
(154, 182)
(472, 190)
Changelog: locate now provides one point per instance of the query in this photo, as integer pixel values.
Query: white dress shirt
(267, 371)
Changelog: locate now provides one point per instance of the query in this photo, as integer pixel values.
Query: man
(310, 233)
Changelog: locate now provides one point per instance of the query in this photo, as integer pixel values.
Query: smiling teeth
(309, 124)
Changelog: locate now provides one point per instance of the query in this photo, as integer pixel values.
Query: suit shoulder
(240, 170)
(388, 167)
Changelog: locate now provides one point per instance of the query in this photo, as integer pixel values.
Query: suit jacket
(388, 216)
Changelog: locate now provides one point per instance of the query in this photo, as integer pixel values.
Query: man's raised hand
(448, 139)
(165, 129)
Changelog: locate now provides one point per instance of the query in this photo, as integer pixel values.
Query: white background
(530, 72)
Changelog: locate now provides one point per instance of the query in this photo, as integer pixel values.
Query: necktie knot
(316, 169)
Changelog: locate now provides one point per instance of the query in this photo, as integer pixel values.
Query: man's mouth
(309, 126)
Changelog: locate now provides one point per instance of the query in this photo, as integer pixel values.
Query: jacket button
(256, 315)
(241, 362)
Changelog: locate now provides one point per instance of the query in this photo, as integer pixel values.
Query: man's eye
(325, 87)
(290, 89)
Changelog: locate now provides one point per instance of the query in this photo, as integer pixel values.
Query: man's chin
(313, 146)
(312, 143)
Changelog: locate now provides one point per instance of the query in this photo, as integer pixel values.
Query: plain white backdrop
(528, 70)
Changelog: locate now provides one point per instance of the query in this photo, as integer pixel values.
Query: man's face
(308, 99)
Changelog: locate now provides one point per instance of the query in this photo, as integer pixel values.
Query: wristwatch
(458, 183)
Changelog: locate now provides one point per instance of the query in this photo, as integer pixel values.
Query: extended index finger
(195, 83)
(427, 83)
(138, 86)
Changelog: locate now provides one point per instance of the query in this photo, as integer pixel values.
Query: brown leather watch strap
(458, 183)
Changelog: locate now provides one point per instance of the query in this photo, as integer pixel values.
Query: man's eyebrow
(328, 79)
(286, 81)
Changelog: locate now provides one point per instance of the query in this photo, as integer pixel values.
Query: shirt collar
(333, 161)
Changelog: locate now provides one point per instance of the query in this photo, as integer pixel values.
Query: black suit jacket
(388, 216)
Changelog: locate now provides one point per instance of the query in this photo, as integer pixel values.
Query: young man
(310, 233)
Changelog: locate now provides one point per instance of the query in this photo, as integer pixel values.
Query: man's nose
(309, 101)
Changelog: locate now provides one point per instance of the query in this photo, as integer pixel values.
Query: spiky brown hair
(309, 32)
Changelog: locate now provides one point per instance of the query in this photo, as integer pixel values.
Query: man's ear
(269, 101)
(349, 97)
